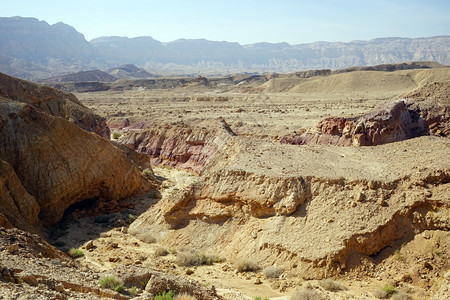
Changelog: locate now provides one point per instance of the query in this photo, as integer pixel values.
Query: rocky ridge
(53, 102)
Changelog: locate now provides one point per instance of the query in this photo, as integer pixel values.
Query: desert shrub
(173, 251)
(112, 283)
(147, 172)
(184, 297)
(307, 295)
(168, 295)
(75, 253)
(259, 298)
(397, 255)
(133, 291)
(331, 285)
(401, 296)
(146, 237)
(194, 258)
(161, 251)
(246, 265)
(142, 257)
(116, 135)
(384, 292)
(273, 272)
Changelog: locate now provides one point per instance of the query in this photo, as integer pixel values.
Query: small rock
(138, 262)
(59, 287)
(124, 230)
(257, 281)
(113, 259)
(89, 245)
(189, 272)
(114, 245)
(12, 248)
(428, 194)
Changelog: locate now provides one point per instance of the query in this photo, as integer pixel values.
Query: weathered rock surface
(17, 205)
(53, 102)
(181, 145)
(60, 164)
(432, 103)
(390, 123)
(311, 206)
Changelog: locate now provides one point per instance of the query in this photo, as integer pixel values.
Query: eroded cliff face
(53, 102)
(316, 210)
(60, 164)
(180, 145)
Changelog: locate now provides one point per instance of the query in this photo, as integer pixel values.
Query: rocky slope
(29, 266)
(53, 102)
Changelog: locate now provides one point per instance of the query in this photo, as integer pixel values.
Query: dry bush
(161, 251)
(195, 258)
(246, 265)
(273, 272)
(307, 295)
(331, 285)
(401, 295)
(380, 294)
(146, 237)
(184, 297)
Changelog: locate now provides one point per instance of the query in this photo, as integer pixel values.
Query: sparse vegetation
(195, 258)
(147, 172)
(307, 295)
(246, 265)
(184, 297)
(75, 253)
(112, 283)
(161, 251)
(273, 272)
(146, 237)
(173, 251)
(142, 257)
(331, 285)
(397, 255)
(168, 295)
(384, 292)
(133, 291)
(401, 295)
(116, 135)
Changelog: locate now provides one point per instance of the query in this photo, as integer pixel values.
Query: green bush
(259, 298)
(112, 283)
(132, 291)
(116, 135)
(168, 295)
(75, 253)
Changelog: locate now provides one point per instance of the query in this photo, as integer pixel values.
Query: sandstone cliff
(60, 164)
(54, 102)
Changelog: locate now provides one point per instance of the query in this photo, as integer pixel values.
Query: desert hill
(33, 49)
(84, 76)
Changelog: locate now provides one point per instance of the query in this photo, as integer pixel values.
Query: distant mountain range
(33, 50)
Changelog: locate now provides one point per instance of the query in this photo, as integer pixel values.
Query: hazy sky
(244, 21)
